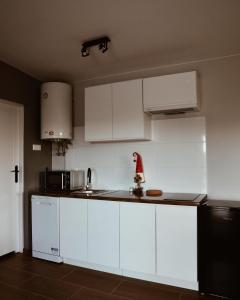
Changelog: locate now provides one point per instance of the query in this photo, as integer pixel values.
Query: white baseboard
(92, 266)
(148, 277)
(163, 280)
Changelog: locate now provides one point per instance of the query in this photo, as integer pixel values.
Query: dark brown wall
(18, 87)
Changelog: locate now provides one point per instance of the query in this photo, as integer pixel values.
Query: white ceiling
(43, 37)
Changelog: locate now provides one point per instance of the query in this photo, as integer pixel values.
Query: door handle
(63, 181)
(44, 203)
(16, 171)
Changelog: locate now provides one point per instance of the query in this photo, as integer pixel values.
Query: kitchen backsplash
(174, 161)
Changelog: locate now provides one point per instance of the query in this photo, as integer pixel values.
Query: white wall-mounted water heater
(56, 111)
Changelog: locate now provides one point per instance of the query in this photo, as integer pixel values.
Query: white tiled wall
(174, 161)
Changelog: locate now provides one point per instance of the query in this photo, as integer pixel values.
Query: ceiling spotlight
(85, 51)
(102, 44)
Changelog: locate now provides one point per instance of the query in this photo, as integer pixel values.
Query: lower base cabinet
(73, 228)
(177, 242)
(103, 233)
(148, 241)
(137, 237)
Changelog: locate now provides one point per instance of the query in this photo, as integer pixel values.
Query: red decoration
(139, 166)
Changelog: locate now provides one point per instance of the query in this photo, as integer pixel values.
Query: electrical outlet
(36, 147)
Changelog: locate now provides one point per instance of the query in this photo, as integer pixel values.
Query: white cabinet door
(177, 242)
(137, 237)
(169, 92)
(73, 228)
(115, 112)
(103, 233)
(98, 113)
(128, 115)
(45, 224)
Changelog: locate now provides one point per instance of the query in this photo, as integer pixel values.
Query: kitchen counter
(188, 199)
(223, 203)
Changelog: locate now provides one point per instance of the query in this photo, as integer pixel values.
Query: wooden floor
(25, 278)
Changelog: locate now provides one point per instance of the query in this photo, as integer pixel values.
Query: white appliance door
(9, 147)
(45, 224)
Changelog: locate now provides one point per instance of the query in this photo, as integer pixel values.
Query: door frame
(20, 157)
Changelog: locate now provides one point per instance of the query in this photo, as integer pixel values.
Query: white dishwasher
(45, 228)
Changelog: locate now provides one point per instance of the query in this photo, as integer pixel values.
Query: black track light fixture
(102, 44)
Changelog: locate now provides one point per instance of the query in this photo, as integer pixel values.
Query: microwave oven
(62, 181)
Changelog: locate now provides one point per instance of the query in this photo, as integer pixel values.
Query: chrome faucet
(89, 179)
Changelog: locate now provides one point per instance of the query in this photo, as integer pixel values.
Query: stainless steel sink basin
(90, 192)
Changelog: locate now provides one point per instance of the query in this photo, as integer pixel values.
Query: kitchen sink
(90, 192)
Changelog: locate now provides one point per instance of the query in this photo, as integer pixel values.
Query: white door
(137, 237)
(103, 233)
(73, 228)
(98, 113)
(128, 115)
(177, 242)
(11, 149)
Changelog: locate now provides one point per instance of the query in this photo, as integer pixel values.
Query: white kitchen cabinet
(73, 228)
(129, 120)
(103, 233)
(98, 113)
(115, 112)
(171, 92)
(176, 232)
(137, 237)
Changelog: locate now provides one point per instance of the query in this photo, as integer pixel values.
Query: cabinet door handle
(44, 203)
(54, 250)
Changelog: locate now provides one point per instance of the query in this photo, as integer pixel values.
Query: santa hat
(139, 166)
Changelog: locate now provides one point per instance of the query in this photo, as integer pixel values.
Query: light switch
(36, 147)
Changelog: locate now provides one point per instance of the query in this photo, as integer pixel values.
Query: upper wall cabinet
(176, 92)
(115, 112)
(98, 113)
(128, 116)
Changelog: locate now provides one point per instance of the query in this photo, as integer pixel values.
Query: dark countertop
(167, 198)
(223, 203)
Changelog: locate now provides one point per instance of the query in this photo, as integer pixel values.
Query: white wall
(174, 161)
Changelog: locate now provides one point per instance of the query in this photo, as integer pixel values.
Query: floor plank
(93, 279)
(53, 288)
(14, 277)
(89, 294)
(11, 293)
(144, 291)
